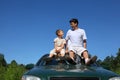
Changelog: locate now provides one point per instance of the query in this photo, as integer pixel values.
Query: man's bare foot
(92, 60)
(70, 60)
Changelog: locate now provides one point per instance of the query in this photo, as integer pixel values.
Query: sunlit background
(27, 27)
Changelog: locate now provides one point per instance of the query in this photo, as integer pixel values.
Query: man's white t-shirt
(76, 37)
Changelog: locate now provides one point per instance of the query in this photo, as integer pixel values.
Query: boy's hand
(57, 51)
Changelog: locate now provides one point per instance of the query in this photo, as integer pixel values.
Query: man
(77, 42)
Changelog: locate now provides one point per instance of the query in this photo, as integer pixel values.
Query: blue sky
(27, 27)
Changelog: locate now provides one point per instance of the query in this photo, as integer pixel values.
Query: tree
(112, 63)
(3, 67)
(99, 61)
(2, 72)
(14, 71)
(11, 71)
(116, 62)
(2, 60)
(117, 59)
(29, 66)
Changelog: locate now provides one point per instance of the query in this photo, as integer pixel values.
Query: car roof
(57, 61)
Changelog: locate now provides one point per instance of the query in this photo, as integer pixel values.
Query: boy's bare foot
(48, 59)
(92, 60)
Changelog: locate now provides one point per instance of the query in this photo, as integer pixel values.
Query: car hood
(71, 70)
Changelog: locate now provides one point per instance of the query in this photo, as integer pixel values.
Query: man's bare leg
(86, 56)
(89, 61)
(72, 55)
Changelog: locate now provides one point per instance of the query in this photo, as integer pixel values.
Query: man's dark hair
(74, 20)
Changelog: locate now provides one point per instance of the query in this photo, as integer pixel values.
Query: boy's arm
(62, 45)
(84, 43)
(55, 46)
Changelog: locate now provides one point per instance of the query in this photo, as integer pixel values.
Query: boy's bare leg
(51, 55)
(62, 55)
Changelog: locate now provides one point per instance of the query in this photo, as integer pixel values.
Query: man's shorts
(77, 49)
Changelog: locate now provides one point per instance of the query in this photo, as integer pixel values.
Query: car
(62, 69)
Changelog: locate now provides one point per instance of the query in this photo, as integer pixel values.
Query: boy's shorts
(62, 52)
(77, 49)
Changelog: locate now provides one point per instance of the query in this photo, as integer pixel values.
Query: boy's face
(60, 33)
(73, 25)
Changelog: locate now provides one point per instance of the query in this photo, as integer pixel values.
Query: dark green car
(57, 69)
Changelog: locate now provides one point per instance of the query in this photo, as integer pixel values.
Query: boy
(78, 43)
(59, 44)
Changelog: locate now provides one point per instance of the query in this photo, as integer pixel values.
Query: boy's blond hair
(57, 31)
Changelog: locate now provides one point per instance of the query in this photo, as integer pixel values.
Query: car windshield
(51, 62)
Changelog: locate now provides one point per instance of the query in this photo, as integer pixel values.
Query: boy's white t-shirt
(59, 41)
(76, 37)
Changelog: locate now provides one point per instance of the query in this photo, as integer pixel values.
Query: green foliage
(14, 71)
(2, 60)
(112, 63)
(29, 66)
(2, 72)
(3, 65)
(11, 71)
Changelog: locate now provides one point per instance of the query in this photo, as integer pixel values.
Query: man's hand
(66, 51)
(85, 43)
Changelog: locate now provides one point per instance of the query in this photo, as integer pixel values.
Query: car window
(51, 62)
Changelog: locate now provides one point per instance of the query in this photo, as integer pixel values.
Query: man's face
(73, 25)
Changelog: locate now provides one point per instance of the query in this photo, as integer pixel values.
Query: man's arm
(66, 47)
(84, 43)
(67, 38)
